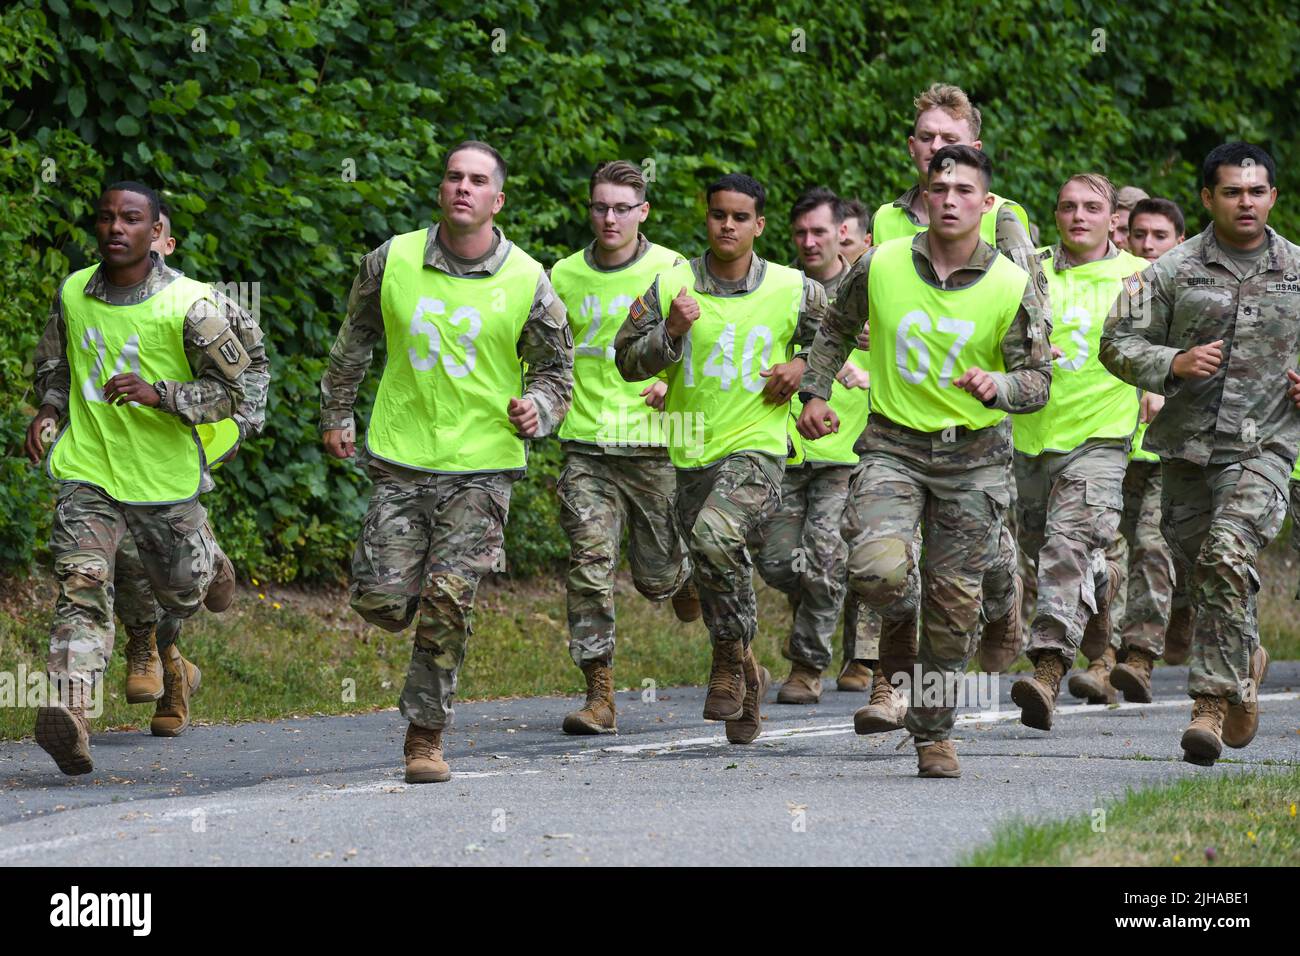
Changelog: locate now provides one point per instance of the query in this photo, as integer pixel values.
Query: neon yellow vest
(218, 440)
(136, 454)
(606, 409)
(1139, 453)
(1087, 401)
(453, 362)
(923, 339)
(892, 222)
(852, 405)
(715, 404)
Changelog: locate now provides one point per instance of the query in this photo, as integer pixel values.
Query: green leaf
(128, 125)
(144, 152)
(121, 7)
(76, 101)
(309, 234)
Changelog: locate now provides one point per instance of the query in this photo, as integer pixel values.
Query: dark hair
(164, 209)
(964, 156)
(482, 148)
(1235, 154)
(131, 186)
(1159, 207)
(810, 199)
(857, 209)
(739, 183)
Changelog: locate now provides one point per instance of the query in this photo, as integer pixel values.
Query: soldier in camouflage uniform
(616, 469)
(717, 342)
(445, 440)
(856, 236)
(133, 598)
(938, 445)
(1142, 612)
(1070, 458)
(126, 461)
(1211, 325)
(800, 550)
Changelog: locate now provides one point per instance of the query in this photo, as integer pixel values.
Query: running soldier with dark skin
(1211, 326)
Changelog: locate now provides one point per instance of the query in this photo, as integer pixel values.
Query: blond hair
(953, 101)
(1098, 184)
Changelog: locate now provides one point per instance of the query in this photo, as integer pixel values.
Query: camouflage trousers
(177, 556)
(1294, 487)
(1217, 519)
(1069, 507)
(1140, 611)
(955, 494)
(718, 508)
(800, 551)
(599, 496)
(134, 602)
(425, 546)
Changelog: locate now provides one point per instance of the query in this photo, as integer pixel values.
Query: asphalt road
(667, 789)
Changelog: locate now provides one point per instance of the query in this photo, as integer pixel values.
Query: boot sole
(169, 732)
(783, 698)
(429, 776)
(1130, 685)
(1035, 709)
(581, 728)
(939, 774)
(144, 698)
(1083, 688)
(853, 688)
(719, 715)
(1201, 748)
(58, 735)
(1237, 745)
(866, 724)
(764, 682)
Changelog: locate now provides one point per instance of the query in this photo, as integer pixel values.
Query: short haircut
(164, 210)
(1160, 207)
(1126, 196)
(1098, 184)
(952, 100)
(619, 173)
(131, 186)
(739, 183)
(1235, 154)
(482, 148)
(810, 199)
(963, 155)
(857, 209)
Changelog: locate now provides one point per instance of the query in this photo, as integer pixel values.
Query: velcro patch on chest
(1282, 287)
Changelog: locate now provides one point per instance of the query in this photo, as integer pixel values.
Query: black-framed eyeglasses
(621, 210)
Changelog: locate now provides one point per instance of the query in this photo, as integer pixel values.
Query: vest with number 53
(453, 362)
(138, 455)
(715, 392)
(923, 338)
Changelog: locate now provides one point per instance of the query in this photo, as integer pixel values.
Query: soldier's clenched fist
(682, 314)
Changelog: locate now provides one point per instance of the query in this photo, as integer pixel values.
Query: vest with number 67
(1087, 401)
(453, 362)
(715, 405)
(606, 409)
(136, 454)
(923, 338)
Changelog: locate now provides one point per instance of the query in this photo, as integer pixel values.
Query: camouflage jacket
(545, 344)
(1023, 387)
(643, 347)
(1195, 294)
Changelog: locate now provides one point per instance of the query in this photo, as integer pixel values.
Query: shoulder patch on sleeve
(1133, 285)
(638, 309)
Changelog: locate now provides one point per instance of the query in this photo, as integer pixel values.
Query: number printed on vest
(464, 315)
(905, 343)
(721, 363)
(1078, 336)
(129, 357)
(590, 311)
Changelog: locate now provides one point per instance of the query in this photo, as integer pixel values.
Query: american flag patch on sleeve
(637, 310)
(1133, 285)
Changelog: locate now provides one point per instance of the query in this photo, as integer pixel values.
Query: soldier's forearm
(643, 354)
(1132, 359)
(205, 400)
(1021, 391)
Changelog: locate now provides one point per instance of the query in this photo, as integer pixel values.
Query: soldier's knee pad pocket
(384, 609)
(80, 569)
(193, 549)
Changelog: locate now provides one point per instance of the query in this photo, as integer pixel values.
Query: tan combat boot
(726, 697)
(856, 676)
(1096, 634)
(1000, 643)
(885, 711)
(803, 686)
(221, 592)
(686, 602)
(63, 732)
(1036, 696)
(181, 679)
(1133, 677)
(597, 717)
(1203, 738)
(1178, 636)
(1242, 721)
(144, 674)
(750, 724)
(937, 758)
(423, 754)
(1093, 685)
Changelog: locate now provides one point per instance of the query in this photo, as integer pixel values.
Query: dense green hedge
(251, 116)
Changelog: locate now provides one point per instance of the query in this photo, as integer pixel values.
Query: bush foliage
(293, 137)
